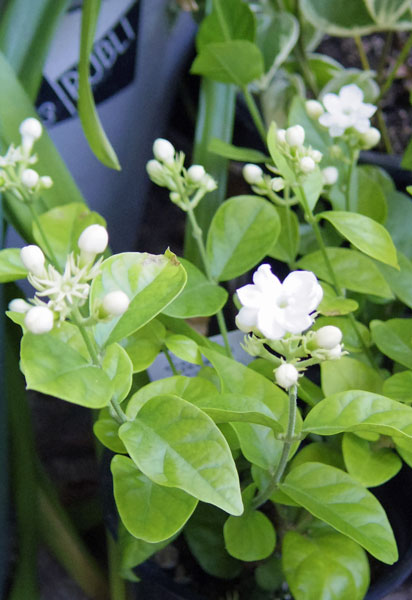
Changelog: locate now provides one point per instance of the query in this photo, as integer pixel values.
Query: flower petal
(332, 103)
(246, 319)
(351, 95)
(250, 296)
(266, 281)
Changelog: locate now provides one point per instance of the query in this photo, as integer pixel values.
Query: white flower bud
(19, 305)
(93, 239)
(115, 303)
(163, 151)
(39, 319)
(316, 155)
(330, 175)
(286, 375)
(281, 136)
(314, 109)
(277, 184)
(31, 128)
(196, 173)
(370, 138)
(307, 164)
(46, 182)
(295, 136)
(174, 197)
(252, 174)
(29, 178)
(328, 337)
(335, 353)
(33, 259)
(154, 168)
(209, 183)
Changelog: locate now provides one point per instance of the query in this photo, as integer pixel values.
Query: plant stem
(287, 443)
(400, 60)
(384, 130)
(170, 361)
(254, 113)
(91, 348)
(348, 195)
(50, 254)
(383, 57)
(362, 54)
(301, 55)
(118, 586)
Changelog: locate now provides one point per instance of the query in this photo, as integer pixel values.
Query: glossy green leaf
(287, 245)
(394, 338)
(399, 387)
(323, 67)
(242, 232)
(321, 452)
(276, 36)
(324, 567)
(239, 62)
(106, 429)
(269, 575)
(11, 267)
(144, 345)
(192, 389)
(371, 199)
(277, 95)
(184, 348)
(397, 222)
(354, 271)
(134, 552)
(339, 17)
(200, 297)
(400, 281)
(366, 234)
(89, 118)
(349, 374)
(368, 463)
(407, 157)
(357, 410)
(118, 366)
(249, 537)
(249, 155)
(310, 190)
(55, 363)
(177, 445)
(229, 20)
(334, 497)
(62, 226)
(204, 536)
(149, 511)
(333, 305)
(150, 281)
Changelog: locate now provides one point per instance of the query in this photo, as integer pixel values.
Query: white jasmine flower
(295, 136)
(33, 259)
(163, 151)
(276, 308)
(93, 240)
(286, 375)
(370, 138)
(346, 110)
(252, 174)
(39, 319)
(314, 109)
(307, 164)
(196, 173)
(330, 175)
(19, 305)
(328, 337)
(29, 178)
(115, 303)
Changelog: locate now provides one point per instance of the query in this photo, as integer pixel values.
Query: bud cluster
(16, 173)
(69, 290)
(187, 186)
(262, 183)
(291, 143)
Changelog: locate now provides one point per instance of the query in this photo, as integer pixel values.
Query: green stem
(50, 254)
(118, 586)
(383, 57)
(362, 54)
(384, 130)
(91, 348)
(254, 113)
(170, 361)
(400, 60)
(287, 443)
(349, 185)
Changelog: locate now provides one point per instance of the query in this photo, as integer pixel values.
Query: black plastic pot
(391, 164)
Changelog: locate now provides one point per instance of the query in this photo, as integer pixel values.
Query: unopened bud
(335, 353)
(328, 337)
(163, 150)
(281, 136)
(286, 375)
(154, 168)
(370, 138)
(316, 155)
(330, 175)
(295, 136)
(46, 182)
(31, 128)
(19, 305)
(209, 183)
(314, 109)
(307, 164)
(252, 174)
(39, 319)
(115, 303)
(93, 240)
(174, 197)
(196, 173)
(277, 184)
(29, 178)
(33, 259)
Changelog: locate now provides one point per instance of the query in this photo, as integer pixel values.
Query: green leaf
(315, 135)
(204, 537)
(278, 156)
(334, 497)
(200, 297)
(239, 62)
(188, 388)
(149, 511)
(366, 234)
(368, 463)
(269, 575)
(407, 157)
(351, 341)
(229, 20)
(184, 348)
(62, 226)
(324, 567)
(277, 35)
(287, 245)
(249, 155)
(371, 200)
(134, 552)
(150, 281)
(399, 387)
(365, 80)
(249, 537)
(399, 280)
(397, 222)
(54, 363)
(11, 267)
(349, 374)
(320, 452)
(323, 67)
(177, 445)
(311, 189)
(354, 271)
(106, 429)
(394, 338)
(387, 12)
(89, 118)
(333, 305)
(339, 17)
(144, 345)
(357, 410)
(242, 232)
(118, 366)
